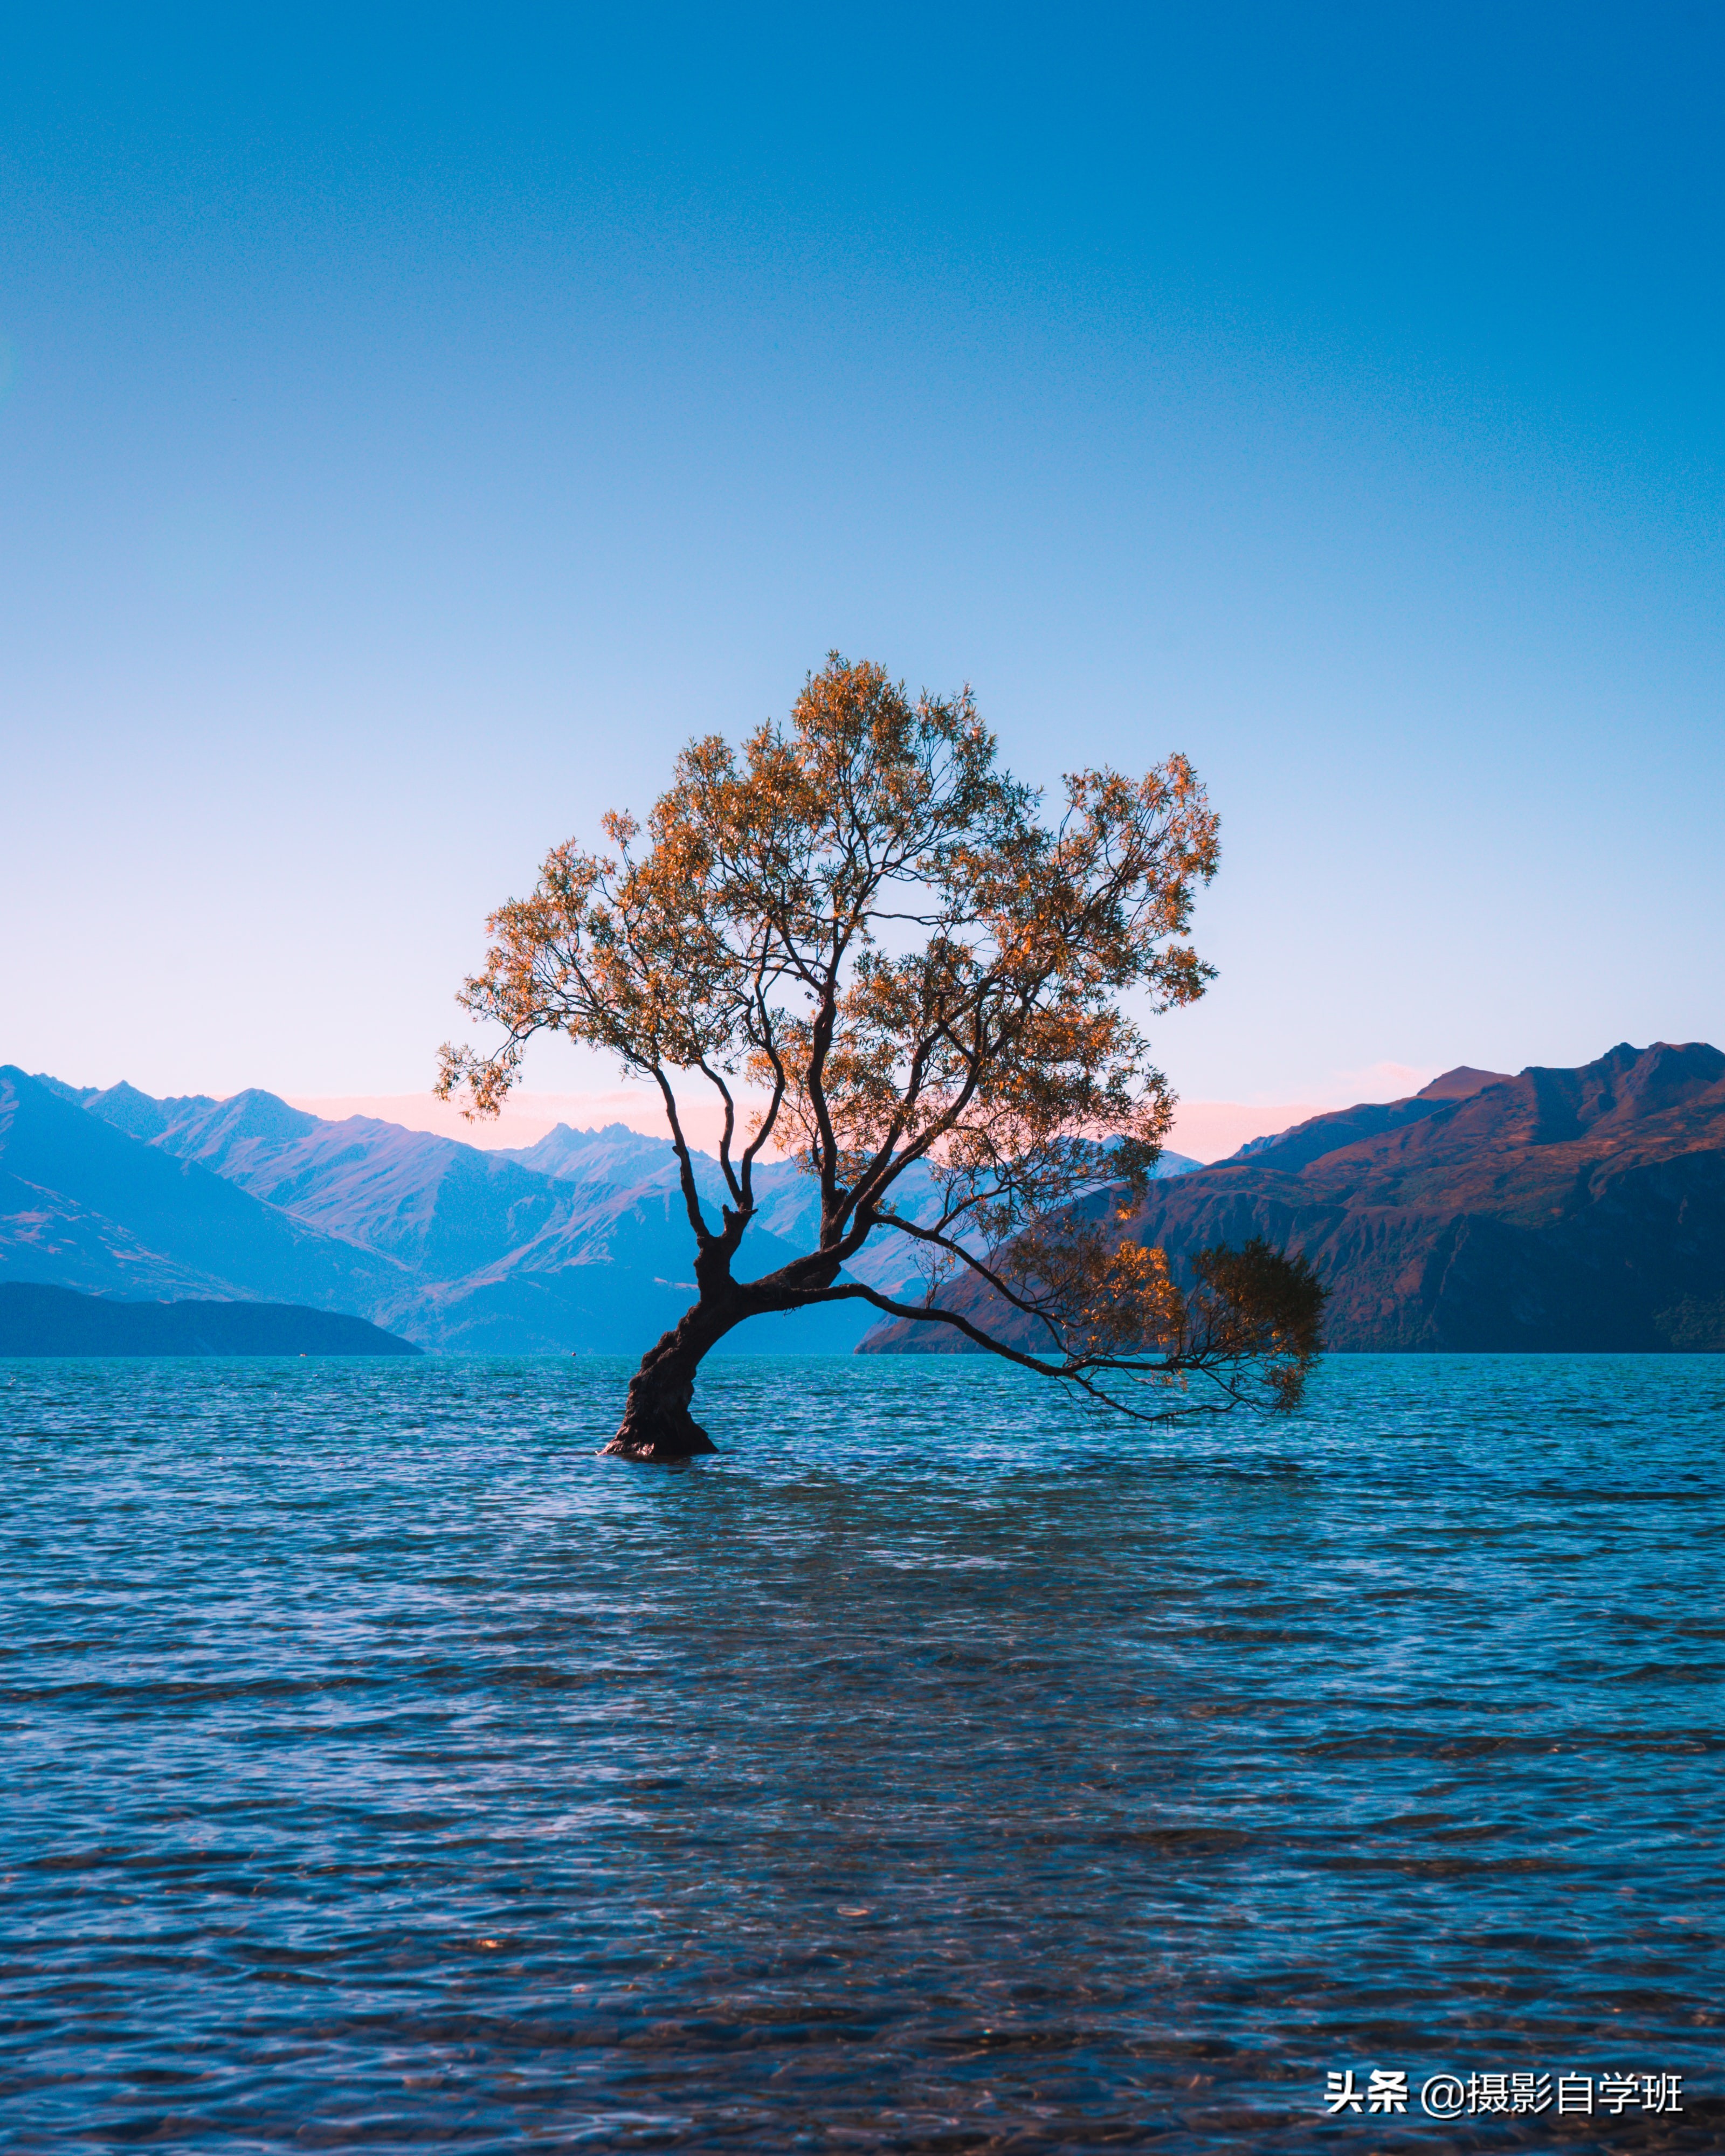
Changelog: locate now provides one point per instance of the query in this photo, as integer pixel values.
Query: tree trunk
(656, 1423)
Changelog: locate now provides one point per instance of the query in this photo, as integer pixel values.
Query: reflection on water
(933, 1771)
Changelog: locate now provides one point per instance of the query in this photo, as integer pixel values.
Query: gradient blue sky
(417, 423)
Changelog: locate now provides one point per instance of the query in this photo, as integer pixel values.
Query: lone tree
(867, 922)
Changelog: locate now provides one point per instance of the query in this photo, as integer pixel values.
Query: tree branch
(685, 1166)
(707, 1071)
(1067, 1373)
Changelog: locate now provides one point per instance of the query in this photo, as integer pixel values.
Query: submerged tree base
(657, 1426)
(659, 1446)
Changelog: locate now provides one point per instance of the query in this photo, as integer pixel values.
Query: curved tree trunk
(656, 1423)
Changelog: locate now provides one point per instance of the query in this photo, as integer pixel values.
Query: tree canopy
(868, 939)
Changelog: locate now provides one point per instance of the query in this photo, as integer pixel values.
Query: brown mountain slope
(1569, 1210)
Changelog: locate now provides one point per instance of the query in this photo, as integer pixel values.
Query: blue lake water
(936, 1770)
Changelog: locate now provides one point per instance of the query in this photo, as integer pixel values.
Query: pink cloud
(526, 1118)
(1206, 1130)
(1211, 1130)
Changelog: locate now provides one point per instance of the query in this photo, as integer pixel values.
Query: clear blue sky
(419, 421)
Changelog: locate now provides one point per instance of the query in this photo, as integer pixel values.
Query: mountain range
(1575, 1211)
(1548, 1210)
(577, 1243)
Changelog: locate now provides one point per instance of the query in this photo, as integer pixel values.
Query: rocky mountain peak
(1462, 1084)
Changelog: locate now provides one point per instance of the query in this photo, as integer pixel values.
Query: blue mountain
(114, 1193)
(84, 1205)
(35, 1320)
(578, 1243)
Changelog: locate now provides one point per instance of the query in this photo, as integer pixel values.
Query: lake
(936, 1770)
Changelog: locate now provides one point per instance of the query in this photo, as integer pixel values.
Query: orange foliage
(867, 921)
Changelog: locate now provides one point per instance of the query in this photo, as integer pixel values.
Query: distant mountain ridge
(35, 1320)
(1322, 1134)
(84, 1205)
(578, 1242)
(455, 1248)
(1555, 1209)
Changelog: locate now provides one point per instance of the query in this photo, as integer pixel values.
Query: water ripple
(934, 1770)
